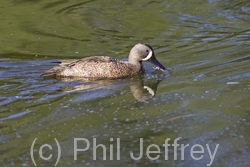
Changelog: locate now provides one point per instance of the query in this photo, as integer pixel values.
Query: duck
(107, 67)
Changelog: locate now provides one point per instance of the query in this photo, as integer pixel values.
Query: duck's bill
(158, 65)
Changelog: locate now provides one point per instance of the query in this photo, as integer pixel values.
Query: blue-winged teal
(106, 67)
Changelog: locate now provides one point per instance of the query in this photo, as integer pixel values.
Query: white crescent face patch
(148, 57)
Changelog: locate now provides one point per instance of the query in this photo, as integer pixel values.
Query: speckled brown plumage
(106, 67)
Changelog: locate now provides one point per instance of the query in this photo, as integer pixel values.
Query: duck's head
(144, 52)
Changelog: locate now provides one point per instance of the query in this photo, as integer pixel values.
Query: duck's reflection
(141, 89)
(144, 90)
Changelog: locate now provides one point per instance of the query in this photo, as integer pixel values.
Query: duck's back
(95, 67)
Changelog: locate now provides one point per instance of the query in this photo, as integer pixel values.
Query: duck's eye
(147, 51)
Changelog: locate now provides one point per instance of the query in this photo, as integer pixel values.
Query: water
(203, 98)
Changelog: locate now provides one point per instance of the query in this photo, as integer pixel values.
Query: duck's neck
(137, 65)
(132, 58)
(134, 61)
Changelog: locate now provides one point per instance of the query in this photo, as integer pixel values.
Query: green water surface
(202, 98)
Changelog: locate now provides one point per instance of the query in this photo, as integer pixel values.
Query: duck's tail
(55, 70)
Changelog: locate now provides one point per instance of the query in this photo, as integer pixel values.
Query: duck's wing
(81, 64)
(93, 59)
